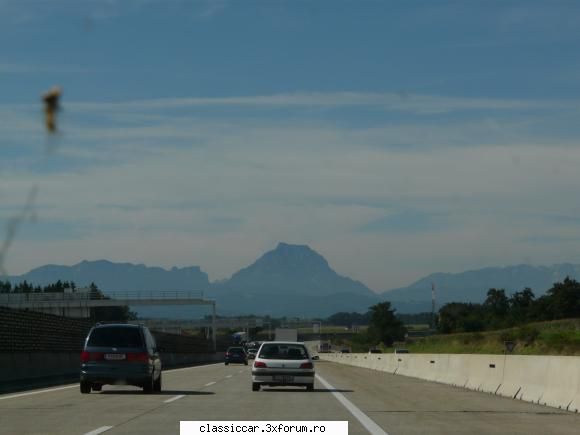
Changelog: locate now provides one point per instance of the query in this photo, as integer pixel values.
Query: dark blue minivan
(120, 354)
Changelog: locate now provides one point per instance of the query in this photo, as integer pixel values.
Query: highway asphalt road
(371, 401)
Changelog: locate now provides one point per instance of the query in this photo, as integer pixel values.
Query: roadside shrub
(528, 334)
(508, 335)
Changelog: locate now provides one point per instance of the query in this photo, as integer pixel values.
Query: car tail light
(260, 365)
(91, 356)
(228, 354)
(138, 357)
(307, 365)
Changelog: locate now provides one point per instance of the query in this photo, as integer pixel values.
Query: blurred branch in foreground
(14, 223)
(51, 106)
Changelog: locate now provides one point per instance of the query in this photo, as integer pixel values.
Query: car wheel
(85, 387)
(157, 384)
(255, 386)
(97, 387)
(148, 386)
(245, 363)
(310, 387)
(226, 363)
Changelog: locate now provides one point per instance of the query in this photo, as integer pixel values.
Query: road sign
(509, 346)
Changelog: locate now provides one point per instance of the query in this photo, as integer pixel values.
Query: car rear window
(283, 351)
(116, 337)
(235, 350)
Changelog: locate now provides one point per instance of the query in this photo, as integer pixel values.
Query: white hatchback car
(283, 363)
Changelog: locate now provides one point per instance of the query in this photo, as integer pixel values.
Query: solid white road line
(209, 384)
(173, 399)
(99, 430)
(31, 393)
(364, 419)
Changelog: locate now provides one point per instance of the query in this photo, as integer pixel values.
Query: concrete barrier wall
(547, 380)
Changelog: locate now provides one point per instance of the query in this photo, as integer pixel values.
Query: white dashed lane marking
(173, 399)
(99, 430)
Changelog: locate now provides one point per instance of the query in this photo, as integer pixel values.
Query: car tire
(310, 387)
(226, 363)
(85, 387)
(245, 363)
(97, 387)
(157, 384)
(255, 386)
(148, 386)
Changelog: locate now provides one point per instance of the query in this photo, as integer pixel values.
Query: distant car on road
(401, 350)
(120, 354)
(281, 363)
(236, 355)
(375, 350)
(252, 353)
(345, 351)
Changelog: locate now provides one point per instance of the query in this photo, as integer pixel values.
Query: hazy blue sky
(397, 138)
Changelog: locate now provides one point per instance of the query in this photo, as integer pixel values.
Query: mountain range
(295, 280)
(472, 286)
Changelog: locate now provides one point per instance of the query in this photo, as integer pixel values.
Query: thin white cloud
(152, 194)
(272, 180)
(389, 101)
(20, 68)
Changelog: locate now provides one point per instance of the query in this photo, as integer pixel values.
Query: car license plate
(115, 356)
(284, 379)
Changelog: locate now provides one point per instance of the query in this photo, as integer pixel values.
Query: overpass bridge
(78, 304)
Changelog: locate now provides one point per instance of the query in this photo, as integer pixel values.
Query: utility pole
(213, 326)
(432, 305)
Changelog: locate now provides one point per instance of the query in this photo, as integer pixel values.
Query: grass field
(559, 337)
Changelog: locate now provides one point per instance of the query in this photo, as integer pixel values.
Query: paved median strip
(364, 419)
(99, 430)
(173, 399)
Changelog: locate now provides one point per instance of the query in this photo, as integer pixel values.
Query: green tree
(564, 299)
(497, 302)
(496, 305)
(94, 292)
(461, 317)
(520, 304)
(5, 287)
(384, 326)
